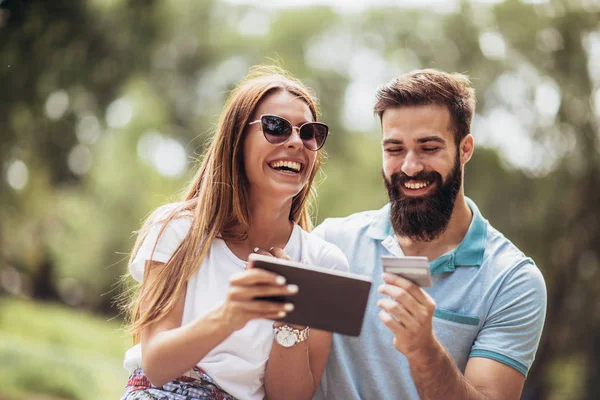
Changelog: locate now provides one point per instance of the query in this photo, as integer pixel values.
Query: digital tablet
(328, 300)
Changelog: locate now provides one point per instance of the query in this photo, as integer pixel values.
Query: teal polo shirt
(490, 302)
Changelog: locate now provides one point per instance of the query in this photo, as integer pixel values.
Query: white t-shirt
(237, 364)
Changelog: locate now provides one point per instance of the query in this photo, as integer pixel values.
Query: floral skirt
(195, 385)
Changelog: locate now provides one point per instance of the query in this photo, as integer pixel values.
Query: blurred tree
(100, 99)
(567, 222)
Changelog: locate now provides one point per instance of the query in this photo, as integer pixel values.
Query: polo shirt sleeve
(512, 330)
(170, 239)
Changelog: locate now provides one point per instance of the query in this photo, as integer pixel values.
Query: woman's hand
(273, 252)
(241, 304)
(277, 253)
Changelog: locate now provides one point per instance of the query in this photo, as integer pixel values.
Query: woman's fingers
(254, 309)
(249, 289)
(250, 264)
(250, 292)
(279, 253)
(273, 252)
(255, 276)
(265, 306)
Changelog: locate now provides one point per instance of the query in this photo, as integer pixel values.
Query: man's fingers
(397, 311)
(415, 291)
(403, 297)
(391, 323)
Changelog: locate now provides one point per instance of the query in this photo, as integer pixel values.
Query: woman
(199, 330)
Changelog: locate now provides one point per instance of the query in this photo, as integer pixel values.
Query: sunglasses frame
(297, 127)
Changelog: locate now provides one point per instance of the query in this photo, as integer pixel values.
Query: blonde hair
(217, 197)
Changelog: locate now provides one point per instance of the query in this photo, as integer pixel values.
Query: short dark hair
(430, 86)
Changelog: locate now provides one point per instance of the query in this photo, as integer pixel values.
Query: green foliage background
(91, 90)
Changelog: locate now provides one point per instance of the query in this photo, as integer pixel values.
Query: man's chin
(414, 202)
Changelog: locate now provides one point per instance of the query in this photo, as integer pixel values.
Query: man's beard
(423, 218)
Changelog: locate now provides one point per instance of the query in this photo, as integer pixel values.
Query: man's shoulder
(349, 225)
(503, 256)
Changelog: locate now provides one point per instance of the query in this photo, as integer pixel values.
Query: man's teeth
(295, 166)
(416, 185)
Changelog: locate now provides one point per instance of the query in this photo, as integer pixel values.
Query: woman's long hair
(217, 198)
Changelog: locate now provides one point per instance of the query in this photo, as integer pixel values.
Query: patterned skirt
(195, 385)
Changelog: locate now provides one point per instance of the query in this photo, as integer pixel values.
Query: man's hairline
(452, 128)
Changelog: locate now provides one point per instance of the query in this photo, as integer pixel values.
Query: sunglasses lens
(276, 130)
(313, 135)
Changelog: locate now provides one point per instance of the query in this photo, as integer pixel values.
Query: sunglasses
(278, 130)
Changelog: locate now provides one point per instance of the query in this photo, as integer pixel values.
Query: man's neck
(449, 240)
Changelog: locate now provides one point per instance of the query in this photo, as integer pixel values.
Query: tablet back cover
(326, 300)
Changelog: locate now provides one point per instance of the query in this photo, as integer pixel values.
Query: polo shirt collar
(468, 253)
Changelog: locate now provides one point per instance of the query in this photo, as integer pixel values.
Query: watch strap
(301, 334)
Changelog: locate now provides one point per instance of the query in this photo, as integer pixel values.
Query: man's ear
(467, 145)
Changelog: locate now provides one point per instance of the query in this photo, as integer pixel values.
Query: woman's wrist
(220, 319)
(278, 324)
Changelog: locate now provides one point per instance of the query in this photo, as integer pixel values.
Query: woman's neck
(270, 226)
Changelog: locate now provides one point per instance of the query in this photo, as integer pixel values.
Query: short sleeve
(334, 258)
(169, 241)
(512, 331)
(319, 231)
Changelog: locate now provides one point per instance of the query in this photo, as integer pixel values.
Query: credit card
(415, 269)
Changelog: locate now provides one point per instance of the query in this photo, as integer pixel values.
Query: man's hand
(408, 314)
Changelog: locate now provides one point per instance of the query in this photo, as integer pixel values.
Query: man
(473, 335)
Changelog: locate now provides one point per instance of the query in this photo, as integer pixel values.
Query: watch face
(286, 338)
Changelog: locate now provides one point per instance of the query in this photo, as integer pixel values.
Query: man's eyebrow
(431, 139)
(392, 141)
(419, 140)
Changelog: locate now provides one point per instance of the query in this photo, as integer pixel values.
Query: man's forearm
(437, 377)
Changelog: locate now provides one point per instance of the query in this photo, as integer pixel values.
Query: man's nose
(412, 164)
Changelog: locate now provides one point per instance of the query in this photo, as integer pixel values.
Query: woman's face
(278, 170)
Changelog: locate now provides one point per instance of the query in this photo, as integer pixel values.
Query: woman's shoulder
(172, 219)
(179, 211)
(318, 252)
(164, 230)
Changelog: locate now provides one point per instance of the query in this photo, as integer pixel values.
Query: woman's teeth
(287, 165)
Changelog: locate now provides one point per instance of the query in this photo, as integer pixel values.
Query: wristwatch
(287, 336)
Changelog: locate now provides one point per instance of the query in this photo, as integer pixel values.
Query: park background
(105, 106)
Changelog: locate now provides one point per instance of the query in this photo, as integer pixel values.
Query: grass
(52, 352)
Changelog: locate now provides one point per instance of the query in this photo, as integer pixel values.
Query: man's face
(422, 169)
